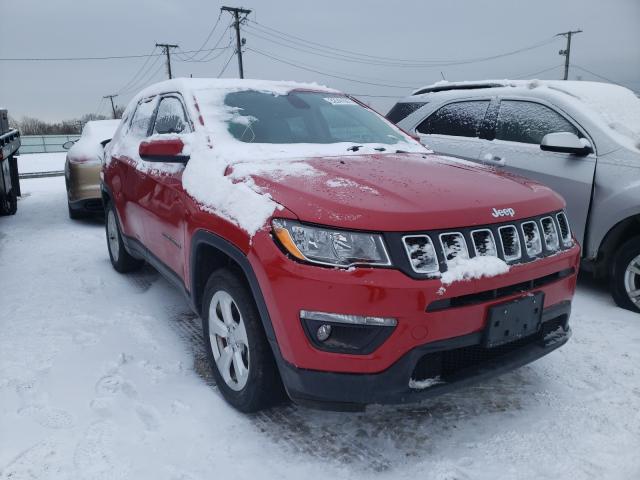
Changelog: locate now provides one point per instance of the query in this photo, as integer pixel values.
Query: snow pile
(88, 147)
(426, 383)
(460, 269)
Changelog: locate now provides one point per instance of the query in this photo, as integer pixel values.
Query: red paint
(161, 148)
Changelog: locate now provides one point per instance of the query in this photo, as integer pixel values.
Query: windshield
(305, 117)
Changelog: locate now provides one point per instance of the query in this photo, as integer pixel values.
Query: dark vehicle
(9, 182)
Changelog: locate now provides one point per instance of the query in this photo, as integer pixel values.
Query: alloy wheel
(632, 280)
(112, 236)
(228, 338)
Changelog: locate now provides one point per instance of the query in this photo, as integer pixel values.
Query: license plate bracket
(511, 321)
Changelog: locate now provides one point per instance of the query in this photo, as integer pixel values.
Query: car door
(454, 128)
(163, 204)
(519, 128)
(131, 171)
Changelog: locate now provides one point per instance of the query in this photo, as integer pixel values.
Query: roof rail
(457, 86)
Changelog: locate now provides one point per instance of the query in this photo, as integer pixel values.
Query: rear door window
(400, 111)
(142, 118)
(460, 119)
(171, 117)
(528, 122)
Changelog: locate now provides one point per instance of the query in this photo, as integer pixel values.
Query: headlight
(325, 246)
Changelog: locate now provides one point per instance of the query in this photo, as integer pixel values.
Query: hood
(397, 192)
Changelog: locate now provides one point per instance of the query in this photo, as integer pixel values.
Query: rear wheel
(9, 204)
(625, 275)
(75, 214)
(121, 260)
(237, 347)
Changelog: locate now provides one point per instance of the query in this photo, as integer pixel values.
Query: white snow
(461, 269)
(426, 383)
(88, 147)
(102, 377)
(41, 162)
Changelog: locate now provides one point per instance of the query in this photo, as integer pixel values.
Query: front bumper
(465, 362)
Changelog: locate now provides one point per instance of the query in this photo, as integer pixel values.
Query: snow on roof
(615, 108)
(89, 147)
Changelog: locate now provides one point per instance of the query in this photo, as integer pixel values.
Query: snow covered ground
(41, 162)
(102, 377)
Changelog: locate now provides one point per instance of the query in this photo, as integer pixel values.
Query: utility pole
(567, 51)
(166, 47)
(113, 107)
(236, 24)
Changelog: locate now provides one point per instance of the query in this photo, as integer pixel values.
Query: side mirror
(163, 150)
(565, 142)
(68, 145)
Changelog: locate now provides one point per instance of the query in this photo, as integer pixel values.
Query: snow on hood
(212, 149)
(615, 108)
(88, 147)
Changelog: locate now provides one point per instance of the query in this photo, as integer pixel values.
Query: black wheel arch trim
(210, 239)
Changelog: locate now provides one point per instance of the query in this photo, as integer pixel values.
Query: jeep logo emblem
(504, 212)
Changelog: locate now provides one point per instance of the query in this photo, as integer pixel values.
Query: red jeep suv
(330, 256)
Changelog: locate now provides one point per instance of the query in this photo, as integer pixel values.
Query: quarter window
(171, 117)
(528, 122)
(142, 118)
(460, 119)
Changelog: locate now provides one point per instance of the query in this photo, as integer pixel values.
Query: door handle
(494, 160)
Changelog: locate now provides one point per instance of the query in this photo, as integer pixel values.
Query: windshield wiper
(380, 149)
(401, 151)
(354, 148)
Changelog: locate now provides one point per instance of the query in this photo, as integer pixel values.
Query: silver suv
(580, 138)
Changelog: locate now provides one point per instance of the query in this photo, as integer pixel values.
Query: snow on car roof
(89, 147)
(614, 107)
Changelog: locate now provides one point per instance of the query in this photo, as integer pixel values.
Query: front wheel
(238, 350)
(625, 275)
(121, 260)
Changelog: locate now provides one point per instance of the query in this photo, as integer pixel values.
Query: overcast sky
(420, 30)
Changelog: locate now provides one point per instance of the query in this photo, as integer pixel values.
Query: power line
(309, 69)
(145, 79)
(73, 59)
(213, 29)
(398, 62)
(135, 76)
(226, 65)
(211, 55)
(600, 76)
(529, 75)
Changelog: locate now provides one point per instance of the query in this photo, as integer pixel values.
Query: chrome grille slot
(510, 243)
(422, 254)
(483, 243)
(532, 241)
(565, 231)
(550, 234)
(453, 246)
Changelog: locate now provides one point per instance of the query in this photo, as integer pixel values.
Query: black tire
(75, 214)
(263, 387)
(9, 204)
(121, 260)
(628, 252)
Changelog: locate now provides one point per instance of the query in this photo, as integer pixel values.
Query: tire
(121, 260)
(9, 204)
(75, 214)
(625, 275)
(250, 381)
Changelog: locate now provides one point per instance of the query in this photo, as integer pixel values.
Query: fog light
(323, 332)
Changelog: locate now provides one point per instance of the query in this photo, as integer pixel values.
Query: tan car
(82, 168)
